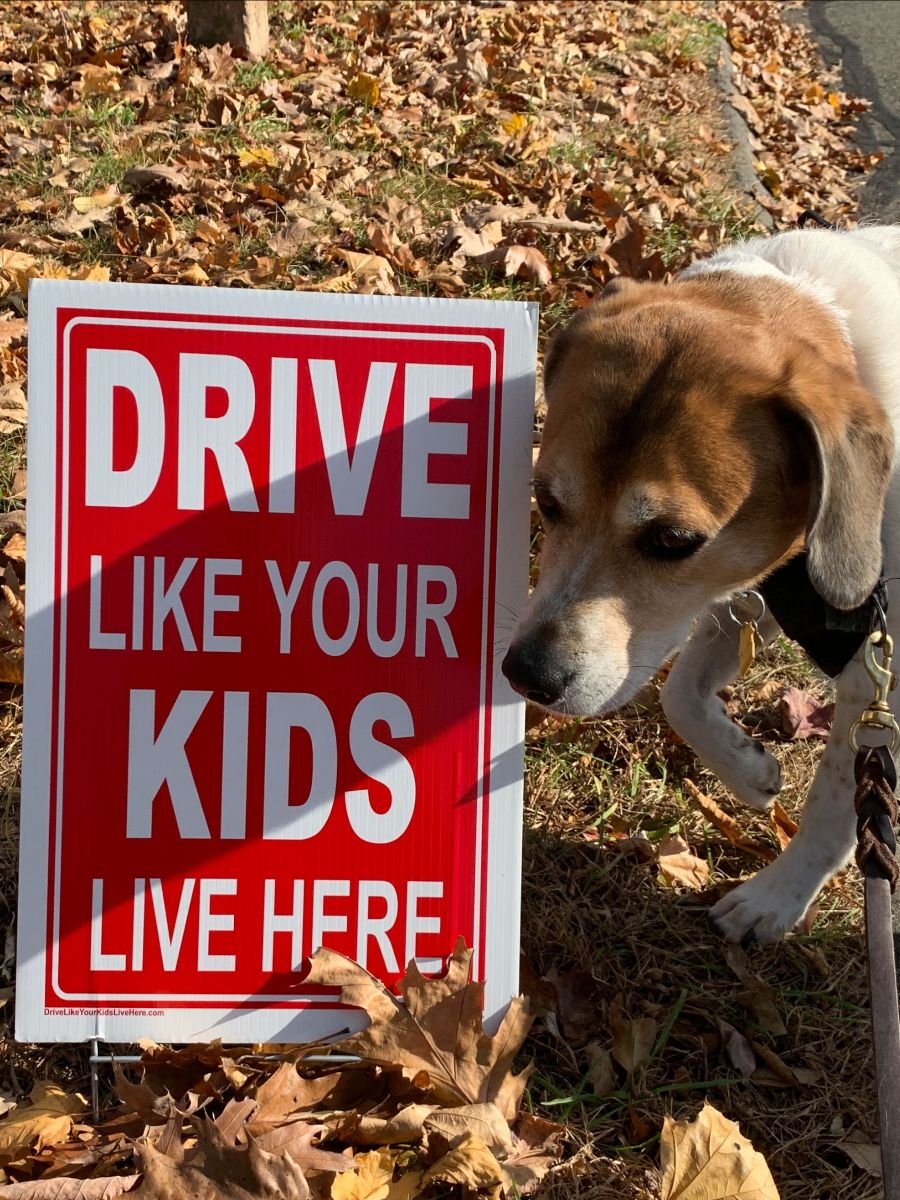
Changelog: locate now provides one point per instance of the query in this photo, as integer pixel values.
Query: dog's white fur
(855, 276)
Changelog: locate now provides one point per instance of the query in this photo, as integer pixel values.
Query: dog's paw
(762, 910)
(750, 773)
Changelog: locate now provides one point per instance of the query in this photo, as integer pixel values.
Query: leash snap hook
(878, 715)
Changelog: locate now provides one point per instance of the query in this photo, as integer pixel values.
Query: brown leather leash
(875, 771)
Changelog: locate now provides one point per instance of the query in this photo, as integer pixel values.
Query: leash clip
(878, 715)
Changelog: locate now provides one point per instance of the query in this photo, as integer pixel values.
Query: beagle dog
(700, 435)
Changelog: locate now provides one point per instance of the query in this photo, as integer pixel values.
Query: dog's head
(697, 436)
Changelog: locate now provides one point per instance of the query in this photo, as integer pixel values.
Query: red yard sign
(274, 542)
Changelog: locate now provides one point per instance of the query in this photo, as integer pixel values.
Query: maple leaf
(213, 1170)
(710, 1159)
(45, 1122)
(436, 1036)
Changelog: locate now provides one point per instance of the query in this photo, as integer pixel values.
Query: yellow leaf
(101, 198)
(710, 1159)
(46, 1122)
(834, 100)
(256, 156)
(814, 93)
(365, 88)
(194, 274)
(515, 124)
(371, 1181)
(99, 81)
(95, 274)
(471, 1164)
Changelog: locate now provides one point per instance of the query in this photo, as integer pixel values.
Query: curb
(742, 155)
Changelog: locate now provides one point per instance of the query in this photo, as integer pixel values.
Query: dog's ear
(842, 442)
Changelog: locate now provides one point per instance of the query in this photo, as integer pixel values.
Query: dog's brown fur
(723, 405)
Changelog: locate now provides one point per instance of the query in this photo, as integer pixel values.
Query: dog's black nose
(534, 669)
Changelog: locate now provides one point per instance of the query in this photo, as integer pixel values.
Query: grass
(590, 903)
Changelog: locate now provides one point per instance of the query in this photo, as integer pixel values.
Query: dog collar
(830, 636)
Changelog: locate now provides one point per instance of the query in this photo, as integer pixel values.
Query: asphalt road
(863, 37)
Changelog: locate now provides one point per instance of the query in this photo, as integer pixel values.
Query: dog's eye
(666, 542)
(547, 503)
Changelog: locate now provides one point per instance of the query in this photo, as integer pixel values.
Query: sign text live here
(269, 539)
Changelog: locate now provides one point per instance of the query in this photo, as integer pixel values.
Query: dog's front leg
(708, 662)
(772, 902)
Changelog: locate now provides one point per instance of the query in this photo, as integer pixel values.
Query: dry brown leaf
(864, 1153)
(783, 825)
(157, 178)
(710, 1159)
(679, 865)
(633, 1041)
(486, 1121)
(404, 1126)
(61, 1188)
(46, 1121)
(537, 1145)
(15, 548)
(216, 1171)
(286, 1092)
(11, 671)
(757, 994)
(803, 715)
(470, 1164)
(194, 274)
(437, 1033)
(738, 1049)
(528, 263)
(601, 1074)
(298, 1140)
(727, 825)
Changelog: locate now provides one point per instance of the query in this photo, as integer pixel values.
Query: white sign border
(518, 322)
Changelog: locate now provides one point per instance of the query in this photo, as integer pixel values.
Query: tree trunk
(242, 23)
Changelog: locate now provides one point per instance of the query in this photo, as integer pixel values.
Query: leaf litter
(493, 150)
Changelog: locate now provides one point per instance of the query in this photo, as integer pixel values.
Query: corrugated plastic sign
(274, 544)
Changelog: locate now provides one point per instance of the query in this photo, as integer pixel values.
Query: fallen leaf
(757, 995)
(437, 1034)
(783, 825)
(60, 1188)
(710, 1159)
(864, 1153)
(537, 1145)
(470, 1164)
(365, 88)
(286, 1092)
(486, 1121)
(601, 1074)
(803, 715)
(727, 824)
(256, 156)
(738, 1049)
(528, 263)
(578, 1005)
(213, 1170)
(679, 865)
(404, 1126)
(157, 178)
(45, 1122)
(371, 1180)
(194, 274)
(101, 198)
(633, 1040)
